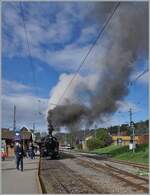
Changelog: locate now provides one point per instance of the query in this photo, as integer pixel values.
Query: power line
(138, 76)
(135, 79)
(90, 49)
(87, 54)
(28, 46)
(29, 49)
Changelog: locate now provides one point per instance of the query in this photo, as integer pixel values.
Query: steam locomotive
(49, 146)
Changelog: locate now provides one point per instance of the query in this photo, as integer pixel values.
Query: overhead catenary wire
(28, 44)
(135, 80)
(90, 49)
(29, 50)
(139, 76)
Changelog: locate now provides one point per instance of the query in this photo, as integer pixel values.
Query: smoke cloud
(95, 95)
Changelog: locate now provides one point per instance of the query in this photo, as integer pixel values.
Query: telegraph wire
(138, 76)
(133, 82)
(87, 54)
(29, 51)
(28, 44)
(90, 49)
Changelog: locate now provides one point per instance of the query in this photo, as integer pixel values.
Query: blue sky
(59, 35)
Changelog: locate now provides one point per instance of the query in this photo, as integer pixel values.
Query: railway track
(101, 157)
(137, 165)
(139, 183)
(58, 178)
(140, 166)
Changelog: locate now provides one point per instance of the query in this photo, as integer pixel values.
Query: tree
(102, 139)
(125, 128)
(113, 129)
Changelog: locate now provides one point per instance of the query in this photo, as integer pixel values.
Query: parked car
(69, 147)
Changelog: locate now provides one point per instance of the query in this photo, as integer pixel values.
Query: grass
(141, 154)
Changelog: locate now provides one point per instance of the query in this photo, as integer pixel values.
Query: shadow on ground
(35, 162)
(60, 157)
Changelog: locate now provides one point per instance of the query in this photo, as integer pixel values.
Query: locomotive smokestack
(50, 127)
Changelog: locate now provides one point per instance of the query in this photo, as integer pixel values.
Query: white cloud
(124, 106)
(43, 29)
(113, 120)
(75, 93)
(58, 28)
(30, 109)
(14, 87)
(88, 34)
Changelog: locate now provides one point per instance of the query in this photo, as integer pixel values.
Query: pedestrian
(30, 150)
(32, 153)
(16, 144)
(19, 156)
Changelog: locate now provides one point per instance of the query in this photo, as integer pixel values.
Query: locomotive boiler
(49, 146)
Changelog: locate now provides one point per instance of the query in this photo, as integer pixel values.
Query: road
(17, 182)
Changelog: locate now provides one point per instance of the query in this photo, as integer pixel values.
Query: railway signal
(132, 128)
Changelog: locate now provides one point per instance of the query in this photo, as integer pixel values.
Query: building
(89, 136)
(9, 137)
(125, 140)
(26, 137)
(143, 139)
(120, 139)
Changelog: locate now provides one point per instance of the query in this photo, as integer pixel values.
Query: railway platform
(17, 182)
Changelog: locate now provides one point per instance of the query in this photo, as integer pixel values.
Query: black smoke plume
(124, 42)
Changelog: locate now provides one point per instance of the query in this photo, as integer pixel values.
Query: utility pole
(132, 129)
(130, 112)
(118, 130)
(95, 131)
(14, 122)
(84, 134)
(65, 139)
(33, 126)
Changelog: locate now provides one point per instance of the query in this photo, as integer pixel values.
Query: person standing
(33, 152)
(19, 156)
(31, 148)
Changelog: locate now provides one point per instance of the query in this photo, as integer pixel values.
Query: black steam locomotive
(49, 146)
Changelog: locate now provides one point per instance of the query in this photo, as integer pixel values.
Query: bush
(102, 139)
(79, 146)
(92, 144)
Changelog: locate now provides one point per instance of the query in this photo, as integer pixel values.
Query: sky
(42, 47)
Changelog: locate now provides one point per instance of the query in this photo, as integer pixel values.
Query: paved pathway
(17, 182)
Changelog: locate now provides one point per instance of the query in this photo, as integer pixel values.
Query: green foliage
(93, 143)
(141, 154)
(140, 128)
(79, 146)
(102, 139)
